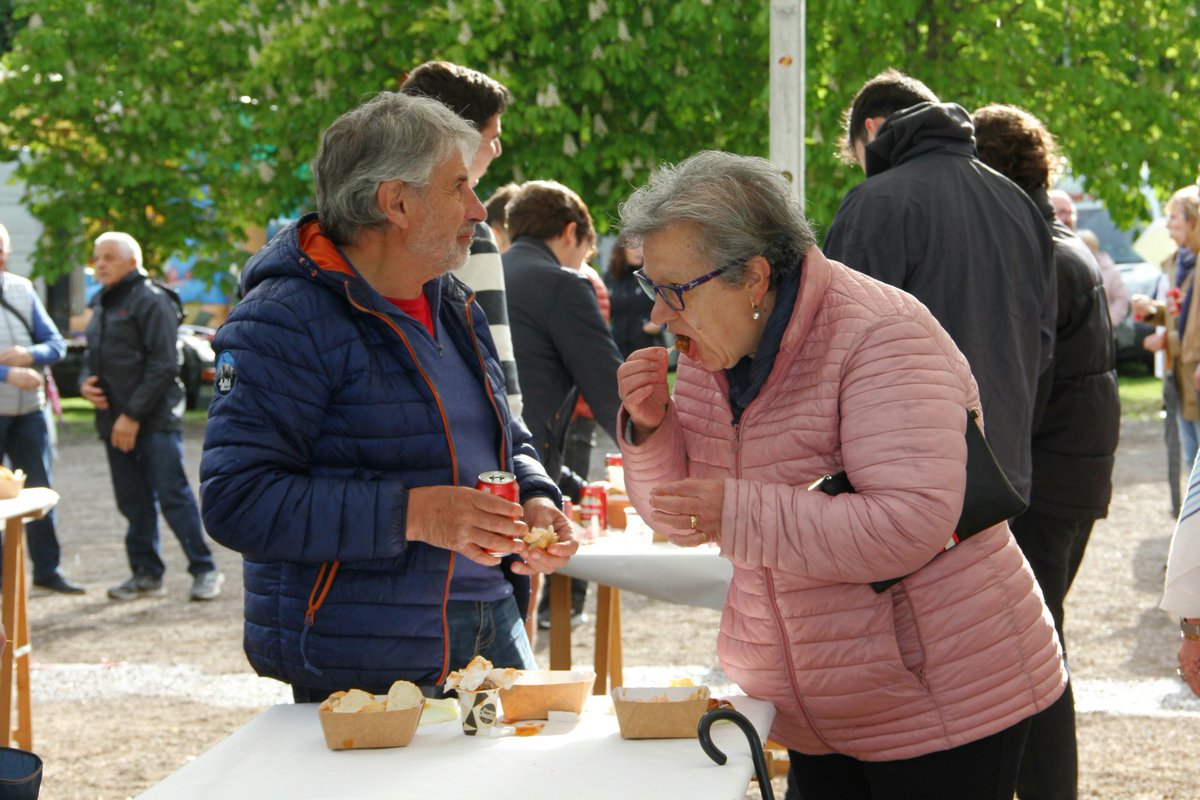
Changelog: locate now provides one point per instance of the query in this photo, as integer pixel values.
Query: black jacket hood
(920, 129)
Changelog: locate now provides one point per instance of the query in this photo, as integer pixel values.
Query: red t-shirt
(417, 308)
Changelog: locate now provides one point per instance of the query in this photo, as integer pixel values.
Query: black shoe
(59, 583)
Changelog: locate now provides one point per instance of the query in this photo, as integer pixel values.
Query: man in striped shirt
(481, 101)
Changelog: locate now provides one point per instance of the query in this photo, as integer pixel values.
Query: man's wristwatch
(1189, 630)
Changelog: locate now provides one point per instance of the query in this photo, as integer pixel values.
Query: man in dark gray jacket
(563, 346)
(935, 221)
(133, 380)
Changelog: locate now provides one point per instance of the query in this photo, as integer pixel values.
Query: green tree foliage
(184, 121)
(125, 116)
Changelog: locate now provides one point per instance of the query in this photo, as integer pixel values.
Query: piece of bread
(331, 701)
(540, 537)
(354, 701)
(403, 695)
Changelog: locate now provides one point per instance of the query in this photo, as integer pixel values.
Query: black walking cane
(756, 749)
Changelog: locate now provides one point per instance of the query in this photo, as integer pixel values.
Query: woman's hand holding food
(689, 510)
(642, 385)
(541, 513)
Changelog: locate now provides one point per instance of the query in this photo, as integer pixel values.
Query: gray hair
(741, 207)
(128, 244)
(391, 137)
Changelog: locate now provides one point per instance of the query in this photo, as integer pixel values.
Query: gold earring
(754, 307)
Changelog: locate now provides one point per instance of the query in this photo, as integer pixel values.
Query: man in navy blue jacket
(358, 396)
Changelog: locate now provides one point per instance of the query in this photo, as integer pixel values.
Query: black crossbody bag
(989, 498)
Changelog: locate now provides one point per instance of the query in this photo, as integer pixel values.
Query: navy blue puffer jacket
(321, 421)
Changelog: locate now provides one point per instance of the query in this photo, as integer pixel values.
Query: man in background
(29, 342)
(481, 101)
(497, 214)
(563, 344)
(934, 221)
(358, 398)
(132, 379)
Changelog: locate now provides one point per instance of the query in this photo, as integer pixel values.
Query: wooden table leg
(560, 621)
(608, 639)
(16, 654)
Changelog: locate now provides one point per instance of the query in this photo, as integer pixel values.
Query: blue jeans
(26, 442)
(493, 630)
(150, 476)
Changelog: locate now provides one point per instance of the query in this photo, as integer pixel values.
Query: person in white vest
(1181, 590)
(29, 342)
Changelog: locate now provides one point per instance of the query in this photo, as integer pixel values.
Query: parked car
(1138, 276)
(197, 371)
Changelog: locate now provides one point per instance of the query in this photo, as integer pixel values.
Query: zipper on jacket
(775, 615)
(787, 655)
(453, 461)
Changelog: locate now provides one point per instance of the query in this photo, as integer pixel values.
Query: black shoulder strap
(4, 302)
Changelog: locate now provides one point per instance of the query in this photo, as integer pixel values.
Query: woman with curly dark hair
(1074, 442)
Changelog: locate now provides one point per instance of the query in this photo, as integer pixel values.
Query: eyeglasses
(672, 293)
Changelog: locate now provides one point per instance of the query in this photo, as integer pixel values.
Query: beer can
(500, 483)
(593, 506)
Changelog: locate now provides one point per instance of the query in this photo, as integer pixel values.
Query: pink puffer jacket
(867, 381)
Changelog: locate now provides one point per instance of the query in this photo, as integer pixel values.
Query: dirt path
(125, 694)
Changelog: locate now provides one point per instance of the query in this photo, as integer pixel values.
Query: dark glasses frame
(672, 293)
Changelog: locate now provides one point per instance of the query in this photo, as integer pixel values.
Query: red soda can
(502, 484)
(593, 505)
(568, 508)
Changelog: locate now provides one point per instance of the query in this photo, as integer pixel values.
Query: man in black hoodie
(935, 221)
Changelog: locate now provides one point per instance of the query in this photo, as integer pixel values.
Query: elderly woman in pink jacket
(793, 368)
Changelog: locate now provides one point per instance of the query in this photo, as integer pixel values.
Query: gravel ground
(126, 693)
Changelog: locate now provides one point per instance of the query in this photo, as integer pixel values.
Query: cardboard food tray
(11, 488)
(660, 713)
(359, 731)
(538, 692)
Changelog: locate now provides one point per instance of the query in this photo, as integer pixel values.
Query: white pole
(787, 89)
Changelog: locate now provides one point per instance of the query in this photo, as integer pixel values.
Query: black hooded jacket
(133, 346)
(1076, 436)
(934, 220)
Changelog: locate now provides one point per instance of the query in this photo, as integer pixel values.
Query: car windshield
(1117, 243)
